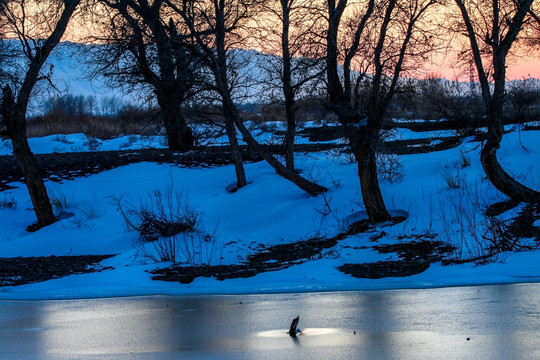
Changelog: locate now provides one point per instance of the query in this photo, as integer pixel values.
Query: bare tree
(492, 27)
(534, 14)
(379, 39)
(39, 27)
(222, 20)
(288, 29)
(523, 100)
(145, 45)
(453, 101)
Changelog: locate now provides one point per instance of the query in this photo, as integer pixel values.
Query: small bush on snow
(389, 168)
(169, 229)
(6, 203)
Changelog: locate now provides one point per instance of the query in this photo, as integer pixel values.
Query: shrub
(453, 178)
(389, 168)
(61, 202)
(464, 160)
(169, 229)
(6, 203)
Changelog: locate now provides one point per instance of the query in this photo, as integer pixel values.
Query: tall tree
(222, 20)
(288, 29)
(377, 40)
(39, 27)
(145, 45)
(492, 27)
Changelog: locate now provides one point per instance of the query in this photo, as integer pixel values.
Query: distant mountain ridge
(70, 77)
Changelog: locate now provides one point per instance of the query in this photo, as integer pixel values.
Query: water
(487, 322)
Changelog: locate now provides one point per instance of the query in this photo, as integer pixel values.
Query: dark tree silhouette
(145, 45)
(222, 20)
(39, 29)
(378, 42)
(288, 28)
(492, 27)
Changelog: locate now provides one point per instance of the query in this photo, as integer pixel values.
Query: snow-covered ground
(270, 210)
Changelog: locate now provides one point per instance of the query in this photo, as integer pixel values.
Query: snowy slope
(271, 211)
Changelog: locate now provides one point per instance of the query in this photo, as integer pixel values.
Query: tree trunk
(34, 182)
(371, 192)
(363, 147)
(500, 46)
(290, 134)
(493, 169)
(500, 178)
(288, 92)
(179, 135)
(488, 155)
(16, 128)
(304, 184)
(241, 180)
(14, 114)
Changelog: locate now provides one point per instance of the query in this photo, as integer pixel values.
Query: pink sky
(517, 68)
(524, 69)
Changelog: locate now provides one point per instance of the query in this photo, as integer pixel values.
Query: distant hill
(70, 76)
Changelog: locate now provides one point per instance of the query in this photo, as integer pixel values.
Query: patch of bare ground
(414, 257)
(26, 270)
(271, 258)
(67, 166)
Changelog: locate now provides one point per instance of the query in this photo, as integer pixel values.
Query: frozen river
(486, 322)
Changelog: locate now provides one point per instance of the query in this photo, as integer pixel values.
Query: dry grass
(130, 121)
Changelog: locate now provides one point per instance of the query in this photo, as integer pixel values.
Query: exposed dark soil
(67, 166)
(25, 270)
(414, 257)
(382, 269)
(522, 226)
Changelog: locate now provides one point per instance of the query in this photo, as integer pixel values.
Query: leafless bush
(8, 203)
(479, 238)
(523, 100)
(499, 239)
(389, 168)
(464, 160)
(169, 229)
(60, 202)
(461, 222)
(453, 101)
(193, 248)
(163, 214)
(453, 178)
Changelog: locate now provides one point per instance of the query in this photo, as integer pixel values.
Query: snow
(81, 143)
(269, 211)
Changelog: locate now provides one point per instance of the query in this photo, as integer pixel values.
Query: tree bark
(16, 128)
(290, 134)
(363, 144)
(241, 179)
(304, 184)
(179, 135)
(498, 177)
